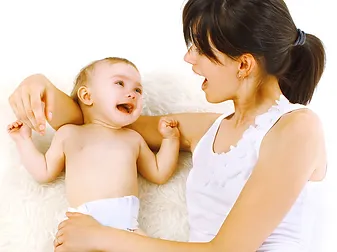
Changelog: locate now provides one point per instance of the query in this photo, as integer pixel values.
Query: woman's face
(221, 82)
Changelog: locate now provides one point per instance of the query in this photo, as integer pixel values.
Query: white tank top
(216, 180)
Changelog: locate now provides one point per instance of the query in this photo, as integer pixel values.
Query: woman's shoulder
(303, 120)
(299, 134)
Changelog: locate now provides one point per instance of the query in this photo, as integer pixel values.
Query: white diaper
(121, 213)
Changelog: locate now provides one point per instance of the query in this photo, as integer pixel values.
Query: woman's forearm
(130, 242)
(147, 126)
(64, 109)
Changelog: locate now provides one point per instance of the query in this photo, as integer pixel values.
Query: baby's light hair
(82, 78)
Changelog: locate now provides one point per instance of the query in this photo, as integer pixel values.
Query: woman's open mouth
(204, 84)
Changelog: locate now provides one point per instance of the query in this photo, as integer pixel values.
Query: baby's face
(117, 92)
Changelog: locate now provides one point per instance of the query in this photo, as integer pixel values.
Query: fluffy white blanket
(30, 212)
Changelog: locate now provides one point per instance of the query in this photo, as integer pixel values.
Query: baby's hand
(168, 128)
(19, 131)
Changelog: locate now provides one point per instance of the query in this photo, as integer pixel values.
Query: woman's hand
(28, 102)
(79, 233)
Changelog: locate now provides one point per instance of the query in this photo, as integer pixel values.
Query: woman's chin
(214, 99)
(210, 99)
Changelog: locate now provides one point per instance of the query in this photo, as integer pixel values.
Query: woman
(252, 170)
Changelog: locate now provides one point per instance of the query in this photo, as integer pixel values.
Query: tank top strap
(269, 119)
(265, 122)
(206, 141)
(215, 126)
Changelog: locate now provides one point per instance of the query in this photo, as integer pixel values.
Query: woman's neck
(255, 100)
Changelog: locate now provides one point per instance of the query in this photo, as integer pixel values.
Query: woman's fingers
(37, 108)
(73, 214)
(27, 102)
(61, 225)
(18, 108)
(58, 240)
(27, 110)
(13, 106)
(18, 101)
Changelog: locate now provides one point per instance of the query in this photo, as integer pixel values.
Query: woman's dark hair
(263, 28)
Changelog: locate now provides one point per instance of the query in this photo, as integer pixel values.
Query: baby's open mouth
(126, 108)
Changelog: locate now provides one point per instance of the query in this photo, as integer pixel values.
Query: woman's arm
(36, 99)
(289, 154)
(28, 100)
(288, 157)
(81, 232)
(148, 244)
(192, 127)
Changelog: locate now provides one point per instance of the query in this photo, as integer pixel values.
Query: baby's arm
(160, 167)
(43, 168)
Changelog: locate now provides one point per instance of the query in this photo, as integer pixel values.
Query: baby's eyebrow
(119, 76)
(126, 77)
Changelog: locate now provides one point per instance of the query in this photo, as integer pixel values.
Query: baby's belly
(89, 181)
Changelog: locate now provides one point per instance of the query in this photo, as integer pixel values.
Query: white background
(57, 38)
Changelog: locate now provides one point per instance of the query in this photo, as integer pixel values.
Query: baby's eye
(138, 90)
(121, 83)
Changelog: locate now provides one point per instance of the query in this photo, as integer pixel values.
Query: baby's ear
(84, 96)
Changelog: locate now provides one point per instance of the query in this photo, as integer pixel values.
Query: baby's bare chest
(102, 145)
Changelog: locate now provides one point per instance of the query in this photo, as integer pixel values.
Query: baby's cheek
(140, 101)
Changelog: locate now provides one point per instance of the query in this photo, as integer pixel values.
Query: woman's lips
(204, 84)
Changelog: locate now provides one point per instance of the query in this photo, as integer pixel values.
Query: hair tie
(301, 37)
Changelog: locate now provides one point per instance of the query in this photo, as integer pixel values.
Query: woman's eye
(138, 90)
(121, 83)
(193, 48)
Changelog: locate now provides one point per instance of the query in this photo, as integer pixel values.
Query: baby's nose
(131, 95)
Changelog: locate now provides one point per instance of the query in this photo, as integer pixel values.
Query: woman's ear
(247, 64)
(84, 95)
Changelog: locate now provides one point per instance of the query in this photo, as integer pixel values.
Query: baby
(102, 156)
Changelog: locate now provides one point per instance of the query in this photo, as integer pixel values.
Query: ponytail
(304, 70)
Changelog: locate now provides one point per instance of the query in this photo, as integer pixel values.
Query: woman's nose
(190, 56)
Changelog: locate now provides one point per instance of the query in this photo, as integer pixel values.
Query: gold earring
(238, 75)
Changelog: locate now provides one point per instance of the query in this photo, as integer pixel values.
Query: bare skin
(313, 161)
(291, 154)
(100, 162)
(101, 157)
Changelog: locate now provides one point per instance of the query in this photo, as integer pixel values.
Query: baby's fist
(17, 130)
(168, 127)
